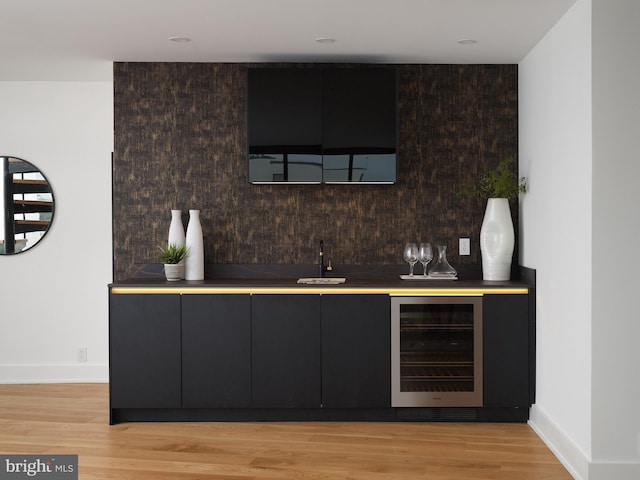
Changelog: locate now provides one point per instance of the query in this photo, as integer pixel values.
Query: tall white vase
(176, 229)
(497, 240)
(194, 264)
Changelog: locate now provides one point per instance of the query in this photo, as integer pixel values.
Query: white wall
(54, 296)
(555, 154)
(579, 112)
(616, 229)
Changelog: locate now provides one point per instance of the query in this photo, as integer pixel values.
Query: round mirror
(26, 202)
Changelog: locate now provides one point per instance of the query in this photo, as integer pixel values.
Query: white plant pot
(174, 271)
(497, 240)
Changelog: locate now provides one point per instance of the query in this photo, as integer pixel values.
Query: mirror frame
(12, 206)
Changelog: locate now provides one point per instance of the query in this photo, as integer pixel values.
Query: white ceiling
(78, 39)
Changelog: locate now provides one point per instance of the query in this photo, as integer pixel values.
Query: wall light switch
(464, 246)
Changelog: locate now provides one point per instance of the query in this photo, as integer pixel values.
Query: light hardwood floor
(73, 419)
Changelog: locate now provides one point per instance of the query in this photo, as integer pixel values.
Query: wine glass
(425, 255)
(410, 255)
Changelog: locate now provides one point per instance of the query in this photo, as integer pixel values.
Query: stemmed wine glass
(425, 255)
(410, 255)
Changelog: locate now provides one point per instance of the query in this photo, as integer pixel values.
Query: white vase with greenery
(497, 240)
(497, 235)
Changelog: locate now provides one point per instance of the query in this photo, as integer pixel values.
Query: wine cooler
(436, 351)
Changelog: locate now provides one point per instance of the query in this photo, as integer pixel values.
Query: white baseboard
(619, 471)
(573, 459)
(61, 373)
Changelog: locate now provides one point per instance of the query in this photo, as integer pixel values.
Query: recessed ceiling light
(325, 40)
(467, 41)
(180, 39)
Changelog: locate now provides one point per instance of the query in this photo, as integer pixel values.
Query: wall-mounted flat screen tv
(313, 124)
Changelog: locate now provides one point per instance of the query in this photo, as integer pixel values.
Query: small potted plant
(172, 256)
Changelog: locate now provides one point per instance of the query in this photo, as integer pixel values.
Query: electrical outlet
(464, 246)
(82, 355)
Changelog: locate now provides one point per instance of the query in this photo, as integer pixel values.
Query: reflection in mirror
(359, 168)
(285, 167)
(26, 203)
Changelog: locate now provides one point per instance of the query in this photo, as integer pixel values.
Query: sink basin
(321, 280)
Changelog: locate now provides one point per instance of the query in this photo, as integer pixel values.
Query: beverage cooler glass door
(436, 351)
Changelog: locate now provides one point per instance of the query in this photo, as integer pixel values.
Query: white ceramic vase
(176, 236)
(176, 229)
(497, 240)
(194, 264)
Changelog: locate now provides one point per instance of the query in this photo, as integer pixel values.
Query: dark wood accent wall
(180, 142)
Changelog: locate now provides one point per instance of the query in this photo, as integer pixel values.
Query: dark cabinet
(284, 124)
(356, 351)
(285, 351)
(506, 351)
(216, 351)
(145, 351)
(359, 125)
(331, 351)
(291, 356)
(321, 124)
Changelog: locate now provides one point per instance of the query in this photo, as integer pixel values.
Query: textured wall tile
(180, 142)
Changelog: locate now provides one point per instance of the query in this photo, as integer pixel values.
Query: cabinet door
(144, 351)
(284, 124)
(285, 351)
(216, 351)
(359, 125)
(356, 351)
(506, 350)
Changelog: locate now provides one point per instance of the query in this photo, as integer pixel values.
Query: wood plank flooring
(73, 419)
